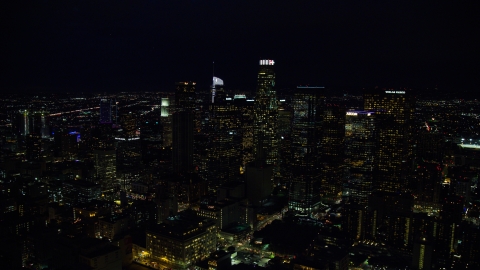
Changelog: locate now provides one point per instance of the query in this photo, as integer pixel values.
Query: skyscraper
(223, 155)
(332, 157)
(105, 111)
(308, 105)
(216, 82)
(360, 146)
(185, 96)
(394, 151)
(105, 169)
(266, 113)
(183, 127)
(182, 143)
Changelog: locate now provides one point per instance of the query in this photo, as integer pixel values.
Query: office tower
(422, 254)
(182, 142)
(129, 159)
(38, 125)
(360, 146)
(394, 151)
(128, 123)
(23, 123)
(223, 154)
(333, 153)
(181, 240)
(165, 107)
(105, 111)
(266, 113)
(427, 186)
(308, 108)
(79, 191)
(245, 107)
(389, 219)
(66, 144)
(166, 119)
(185, 98)
(216, 82)
(34, 147)
(285, 118)
(106, 169)
(353, 222)
(430, 146)
(258, 175)
(151, 137)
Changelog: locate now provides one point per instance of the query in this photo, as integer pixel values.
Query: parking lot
(248, 258)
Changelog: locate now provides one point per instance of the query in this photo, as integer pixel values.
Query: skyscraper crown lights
(217, 81)
(267, 62)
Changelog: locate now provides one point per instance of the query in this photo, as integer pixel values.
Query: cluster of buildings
(170, 180)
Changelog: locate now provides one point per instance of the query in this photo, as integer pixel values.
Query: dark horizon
(118, 46)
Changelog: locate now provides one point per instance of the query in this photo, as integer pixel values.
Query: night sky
(149, 44)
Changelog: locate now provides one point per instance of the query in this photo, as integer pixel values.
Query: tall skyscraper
(361, 128)
(105, 111)
(182, 143)
(183, 127)
(216, 82)
(332, 156)
(185, 96)
(105, 169)
(23, 123)
(266, 113)
(223, 151)
(308, 105)
(394, 151)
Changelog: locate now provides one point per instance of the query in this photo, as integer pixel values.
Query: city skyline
(223, 135)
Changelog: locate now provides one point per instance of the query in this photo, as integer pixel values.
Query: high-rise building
(129, 155)
(333, 153)
(216, 82)
(360, 146)
(34, 147)
(38, 125)
(185, 96)
(285, 118)
(245, 107)
(308, 107)
(422, 254)
(23, 123)
(105, 111)
(428, 186)
(266, 113)
(106, 169)
(223, 151)
(166, 120)
(182, 143)
(395, 148)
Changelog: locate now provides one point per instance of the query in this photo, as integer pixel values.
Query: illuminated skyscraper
(216, 82)
(308, 105)
(361, 129)
(223, 152)
(332, 155)
(266, 113)
(394, 151)
(105, 169)
(105, 111)
(23, 123)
